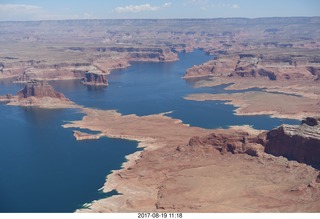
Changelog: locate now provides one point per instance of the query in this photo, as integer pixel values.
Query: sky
(17, 10)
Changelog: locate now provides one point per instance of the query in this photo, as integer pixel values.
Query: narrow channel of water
(151, 88)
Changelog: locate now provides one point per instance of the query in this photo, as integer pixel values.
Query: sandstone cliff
(39, 89)
(94, 79)
(270, 66)
(237, 142)
(150, 54)
(40, 94)
(296, 142)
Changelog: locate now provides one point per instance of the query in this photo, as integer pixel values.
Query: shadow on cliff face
(297, 142)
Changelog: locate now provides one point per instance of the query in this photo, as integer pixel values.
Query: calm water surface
(150, 88)
(42, 167)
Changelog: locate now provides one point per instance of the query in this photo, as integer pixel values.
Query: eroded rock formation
(270, 66)
(296, 142)
(239, 142)
(40, 94)
(39, 89)
(95, 79)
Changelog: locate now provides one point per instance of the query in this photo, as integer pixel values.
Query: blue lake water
(150, 88)
(42, 167)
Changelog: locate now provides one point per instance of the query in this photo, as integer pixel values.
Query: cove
(43, 168)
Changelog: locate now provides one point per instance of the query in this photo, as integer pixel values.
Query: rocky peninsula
(275, 75)
(224, 170)
(38, 94)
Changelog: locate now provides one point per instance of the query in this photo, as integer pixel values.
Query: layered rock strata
(239, 142)
(40, 94)
(273, 65)
(296, 142)
(94, 79)
(39, 89)
(287, 81)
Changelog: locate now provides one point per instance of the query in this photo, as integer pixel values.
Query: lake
(44, 169)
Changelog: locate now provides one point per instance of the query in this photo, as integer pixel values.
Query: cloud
(235, 6)
(20, 12)
(23, 12)
(19, 8)
(141, 8)
(167, 5)
(226, 5)
(136, 8)
(206, 4)
(198, 2)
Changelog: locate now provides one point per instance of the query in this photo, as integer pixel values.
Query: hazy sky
(100, 9)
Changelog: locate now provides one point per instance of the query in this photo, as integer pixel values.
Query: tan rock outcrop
(220, 66)
(296, 142)
(278, 66)
(39, 89)
(39, 94)
(237, 142)
(94, 79)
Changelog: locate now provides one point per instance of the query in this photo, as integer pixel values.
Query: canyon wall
(265, 65)
(296, 142)
(94, 79)
(39, 89)
(38, 94)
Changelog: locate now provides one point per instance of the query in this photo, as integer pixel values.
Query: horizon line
(216, 18)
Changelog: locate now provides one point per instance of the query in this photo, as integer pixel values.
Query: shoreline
(149, 140)
(134, 196)
(44, 103)
(137, 183)
(110, 64)
(278, 99)
(116, 180)
(169, 174)
(246, 106)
